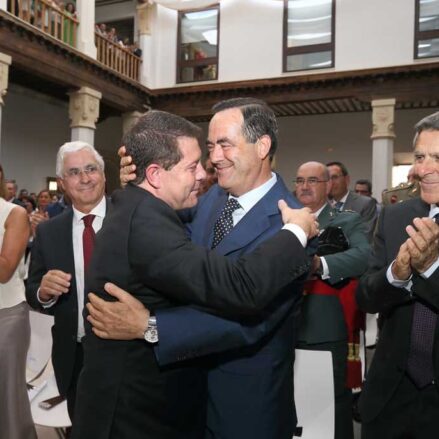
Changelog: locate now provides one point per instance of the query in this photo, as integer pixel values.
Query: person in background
(68, 29)
(364, 187)
(40, 214)
(344, 199)
(211, 177)
(11, 192)
(15, 416)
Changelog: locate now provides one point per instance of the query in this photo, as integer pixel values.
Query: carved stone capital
(144, 17)
(84, 108)
(383, 118)
(5, 62)
(130, 119)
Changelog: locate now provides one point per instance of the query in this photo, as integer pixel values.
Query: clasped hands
(420, 251)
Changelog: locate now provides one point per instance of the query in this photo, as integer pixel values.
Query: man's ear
(263, 146)
(153, 175)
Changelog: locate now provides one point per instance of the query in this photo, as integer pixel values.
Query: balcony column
(145, 13)
(84, 113)
(5, 62)
(3, 4)
(383, 135)
(86, 29)
(129, 120)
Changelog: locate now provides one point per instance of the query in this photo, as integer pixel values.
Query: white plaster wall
(369, 34)
(34, 126)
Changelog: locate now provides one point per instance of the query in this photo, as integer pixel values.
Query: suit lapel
(325, 216)
(255, 222)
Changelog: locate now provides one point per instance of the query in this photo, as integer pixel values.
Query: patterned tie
(88, 239)
(338, 205)
(224, 223)
(420, 360)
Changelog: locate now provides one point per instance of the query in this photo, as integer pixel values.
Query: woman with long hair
(15, 415)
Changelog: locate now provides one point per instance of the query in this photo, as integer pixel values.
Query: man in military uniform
(402, 192)
(328, 313)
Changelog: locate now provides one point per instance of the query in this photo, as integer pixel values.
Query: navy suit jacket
(251, 380)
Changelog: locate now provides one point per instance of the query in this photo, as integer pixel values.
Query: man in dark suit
(251, 385)
(400, 397)
(344, 199)
(325, 322)
(56, 276)
(144, 248)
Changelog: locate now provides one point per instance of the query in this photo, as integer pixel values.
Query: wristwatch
(151, 334)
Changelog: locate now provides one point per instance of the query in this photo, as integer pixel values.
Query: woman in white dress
(15, 415)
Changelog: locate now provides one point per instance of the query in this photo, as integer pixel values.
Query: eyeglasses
(87, 170)
(311, 181)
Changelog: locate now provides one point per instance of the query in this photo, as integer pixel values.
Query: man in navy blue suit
(250, 379)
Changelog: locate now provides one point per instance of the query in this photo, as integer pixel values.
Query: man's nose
(216, 154)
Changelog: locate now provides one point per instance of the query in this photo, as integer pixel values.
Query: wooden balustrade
(46, 17)
(116, 57)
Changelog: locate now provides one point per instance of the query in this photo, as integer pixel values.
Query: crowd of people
(178, 320)
(111, 35)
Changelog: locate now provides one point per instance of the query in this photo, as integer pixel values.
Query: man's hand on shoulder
(53, 284)
(127, 169)
(125, 319)
(301, 217)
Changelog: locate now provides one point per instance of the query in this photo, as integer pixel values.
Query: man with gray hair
(61, 252)
(400, 396)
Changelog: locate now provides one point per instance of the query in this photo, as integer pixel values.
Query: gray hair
(71, 147)
(428, 123)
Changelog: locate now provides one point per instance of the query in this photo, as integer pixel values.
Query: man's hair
(70, 147)
(366, 182)
(259, 119)
(12, 182)
(343, 168)
(154, 139)
(428, 123)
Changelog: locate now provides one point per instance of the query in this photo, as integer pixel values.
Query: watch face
(151, 334)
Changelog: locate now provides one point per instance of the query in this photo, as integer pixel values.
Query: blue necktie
(420, 360)
(339, 205)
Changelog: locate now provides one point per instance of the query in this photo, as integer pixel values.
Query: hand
(36, 218)
(401, 268)
(125, 319)
(302, 217)
(53, 284)
(127, 170)
(423, 243)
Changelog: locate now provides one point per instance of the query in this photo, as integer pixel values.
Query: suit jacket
(53, 249)
(250, 384)
(322, 318)
(395, 305)
(144, 248)
(366, 207)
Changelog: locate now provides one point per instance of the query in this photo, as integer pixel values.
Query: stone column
(129, 120)
(84, 113)
(3, 4)
(383, 135)
(85, 41)
(5, 62)
(144, 16)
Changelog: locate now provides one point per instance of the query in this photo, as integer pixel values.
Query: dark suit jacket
(395, 305)
(144, 248)
(366, 207)
(251, 384)
(53, 249)
(322, 317)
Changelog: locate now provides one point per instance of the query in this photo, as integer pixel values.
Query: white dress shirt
(78, 256)
(249, 199)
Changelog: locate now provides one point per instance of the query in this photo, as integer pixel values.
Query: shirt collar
(318, 212)
(249, 199)
(98, 210)
(434, 210)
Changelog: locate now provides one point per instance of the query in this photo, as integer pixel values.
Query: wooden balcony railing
(116, 57)
(46, 17)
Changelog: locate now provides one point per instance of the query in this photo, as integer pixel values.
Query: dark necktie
(224, 223)
(420, 360)
(338, 205)
(88, 239)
